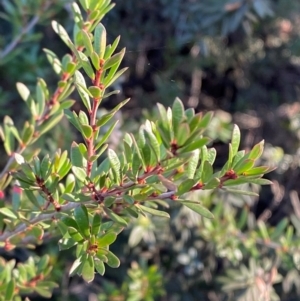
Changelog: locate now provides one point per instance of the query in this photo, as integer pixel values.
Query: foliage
(85, 197)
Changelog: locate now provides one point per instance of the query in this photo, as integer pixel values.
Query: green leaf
(237, 191)
(244, 166)
(95, 60)
(116, 218)
(96, 224)
(207, 171)
(9, 213)
(257, 150)
(23, 91)
(50, 123)
(114, 163)
(106, 239)
(70, 222)
(113, 260)
(99, 266)
(88, 269)
(82, 220)
(62, 34)
(193, 164)
(115, 59)
(87, 42)
(279, 229)
(183, 133)
(153, 211)
(75, 235)
(87, 131)
(185, 186)
(81, 88)
(194, 145)
(263, 230)
(100, 40)
(204, 122)
(198, 208)
(9, 293)
(79, 173)
(76, 156)
(154, 143)
(86, 65)
(212, 184)
(260, 170)
(235, 140)
(106, 135)
(106, 117)
(113, 76)
(138, 153)
(260, 181)
(95, 91)
(53, 60)
(113, 47)
(177, 115)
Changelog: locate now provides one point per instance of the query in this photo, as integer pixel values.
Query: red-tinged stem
(93, 115)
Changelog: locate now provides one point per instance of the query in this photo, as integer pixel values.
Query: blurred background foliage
(239, 58)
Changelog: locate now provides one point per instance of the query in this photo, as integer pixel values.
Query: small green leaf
(95, 91)
(87, 42)
(87, 131)
(75, 235)
(106, 240)
(193, 164)
(183, 133)
(96, 224)
(154, 211)
(23, 91)
(257, 150)
(88, 269)
(244, 166)
(110, 51)
(95, 60)
(237, 191)
(198, 208)
(116, 218)
(177, 115)
(76, 156)
(81, 87)
(235, 140)
(115, 59)
(7, 212)
(260, 170)
(100, 40)
(99, 266)
(86, 65)
(9, 293)
(106, 117)
(50, 123)
(194, 145)
(263, 230)
(185, 186)
(107, 134)
(114, 163)
(113, 260)
(62, 33)
(82, 220)
(212, 184)
(207, 172)
(79, 173)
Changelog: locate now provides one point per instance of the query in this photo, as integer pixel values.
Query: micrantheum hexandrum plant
(87, 201)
